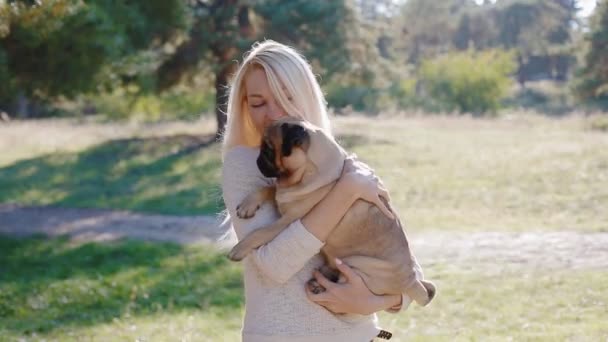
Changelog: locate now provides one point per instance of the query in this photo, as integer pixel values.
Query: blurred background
(486, 119)
(164, 60)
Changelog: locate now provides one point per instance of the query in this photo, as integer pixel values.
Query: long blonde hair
(287, 72)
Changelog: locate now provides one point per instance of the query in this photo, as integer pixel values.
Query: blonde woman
(274, 81)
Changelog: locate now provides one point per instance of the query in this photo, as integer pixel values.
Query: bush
(361, 98)
(173, 105)
(546, 97)
(474, 82)
(597, 123)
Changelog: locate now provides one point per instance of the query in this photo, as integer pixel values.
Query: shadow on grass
(170, 175)
(47, 284)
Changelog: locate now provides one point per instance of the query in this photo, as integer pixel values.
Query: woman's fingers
(316, 297)
(346, 270)
(326, 283)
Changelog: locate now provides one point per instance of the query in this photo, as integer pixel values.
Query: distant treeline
(178, 55)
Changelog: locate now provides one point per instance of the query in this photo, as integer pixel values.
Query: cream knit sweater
(276, 306)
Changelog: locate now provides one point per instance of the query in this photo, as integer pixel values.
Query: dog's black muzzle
(266, 162)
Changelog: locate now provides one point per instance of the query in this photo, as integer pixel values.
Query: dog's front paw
(247, 208)
(314, 286)
(238, 252)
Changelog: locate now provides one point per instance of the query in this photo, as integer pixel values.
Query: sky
(587, 6)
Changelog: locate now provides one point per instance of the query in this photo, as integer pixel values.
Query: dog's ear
(293, 135)
(266, 160)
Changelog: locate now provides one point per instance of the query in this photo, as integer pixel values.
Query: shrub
(468, 81)
(173, 105)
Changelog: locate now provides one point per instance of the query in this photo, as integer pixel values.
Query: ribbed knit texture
(276, 306)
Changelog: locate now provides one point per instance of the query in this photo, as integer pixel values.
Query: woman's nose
(275, 111)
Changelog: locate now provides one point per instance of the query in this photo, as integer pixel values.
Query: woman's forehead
(256, 83)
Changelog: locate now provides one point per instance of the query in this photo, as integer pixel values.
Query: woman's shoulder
(241, 155)
(240, 163)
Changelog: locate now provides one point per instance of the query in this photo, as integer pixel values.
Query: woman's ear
(294, 135)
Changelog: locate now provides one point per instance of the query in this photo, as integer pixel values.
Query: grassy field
(170, 169)
(448, 173)
(445, 173)
(128, 291)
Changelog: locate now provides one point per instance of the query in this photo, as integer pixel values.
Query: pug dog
(306, 163)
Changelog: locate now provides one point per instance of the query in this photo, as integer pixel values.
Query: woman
(274, 81)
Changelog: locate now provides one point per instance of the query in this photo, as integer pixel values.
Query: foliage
(6, 87)
(58, 47)
(547, 97)
(593, 77)
(468, 81)
(223, 30)
(597, 123)
(128, 102)
(532, 28)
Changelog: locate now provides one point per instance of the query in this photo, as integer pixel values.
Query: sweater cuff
(287, 253)
(306, 240)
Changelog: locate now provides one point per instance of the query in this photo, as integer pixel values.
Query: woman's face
(263, 107)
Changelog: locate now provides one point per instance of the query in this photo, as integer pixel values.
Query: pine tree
(593, 83)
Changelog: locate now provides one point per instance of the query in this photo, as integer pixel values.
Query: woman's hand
(360, 179)
(350, 294)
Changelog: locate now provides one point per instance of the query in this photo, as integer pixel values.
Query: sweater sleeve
(287, 253)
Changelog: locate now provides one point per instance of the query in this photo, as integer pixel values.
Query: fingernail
(338, 261)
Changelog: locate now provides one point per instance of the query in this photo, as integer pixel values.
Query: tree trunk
(226, 53)
(521, 72)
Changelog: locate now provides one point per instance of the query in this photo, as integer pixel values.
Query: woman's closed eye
(258, 105)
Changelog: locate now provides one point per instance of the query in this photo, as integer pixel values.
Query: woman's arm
(354, 184)
(285, 255)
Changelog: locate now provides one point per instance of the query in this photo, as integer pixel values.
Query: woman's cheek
(257, 116)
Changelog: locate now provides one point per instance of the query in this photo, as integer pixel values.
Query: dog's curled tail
(422, 292)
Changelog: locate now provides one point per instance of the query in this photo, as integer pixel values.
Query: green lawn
(520, 173)
(156, 174)
(444, 173)
(527, 173)
(52, 290)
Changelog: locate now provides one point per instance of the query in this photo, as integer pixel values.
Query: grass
(169, 175)
(518, 172)
(55, 291)
(523, 306)
(512, 173)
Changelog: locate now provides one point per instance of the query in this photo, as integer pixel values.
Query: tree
(593, 82)
(428, 26)
(540, 31)
(59, 47)
(223, 30)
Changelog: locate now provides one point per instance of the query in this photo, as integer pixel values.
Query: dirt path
(494, 251)
(105, 225)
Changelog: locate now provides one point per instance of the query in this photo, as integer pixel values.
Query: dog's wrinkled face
(283, 149)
